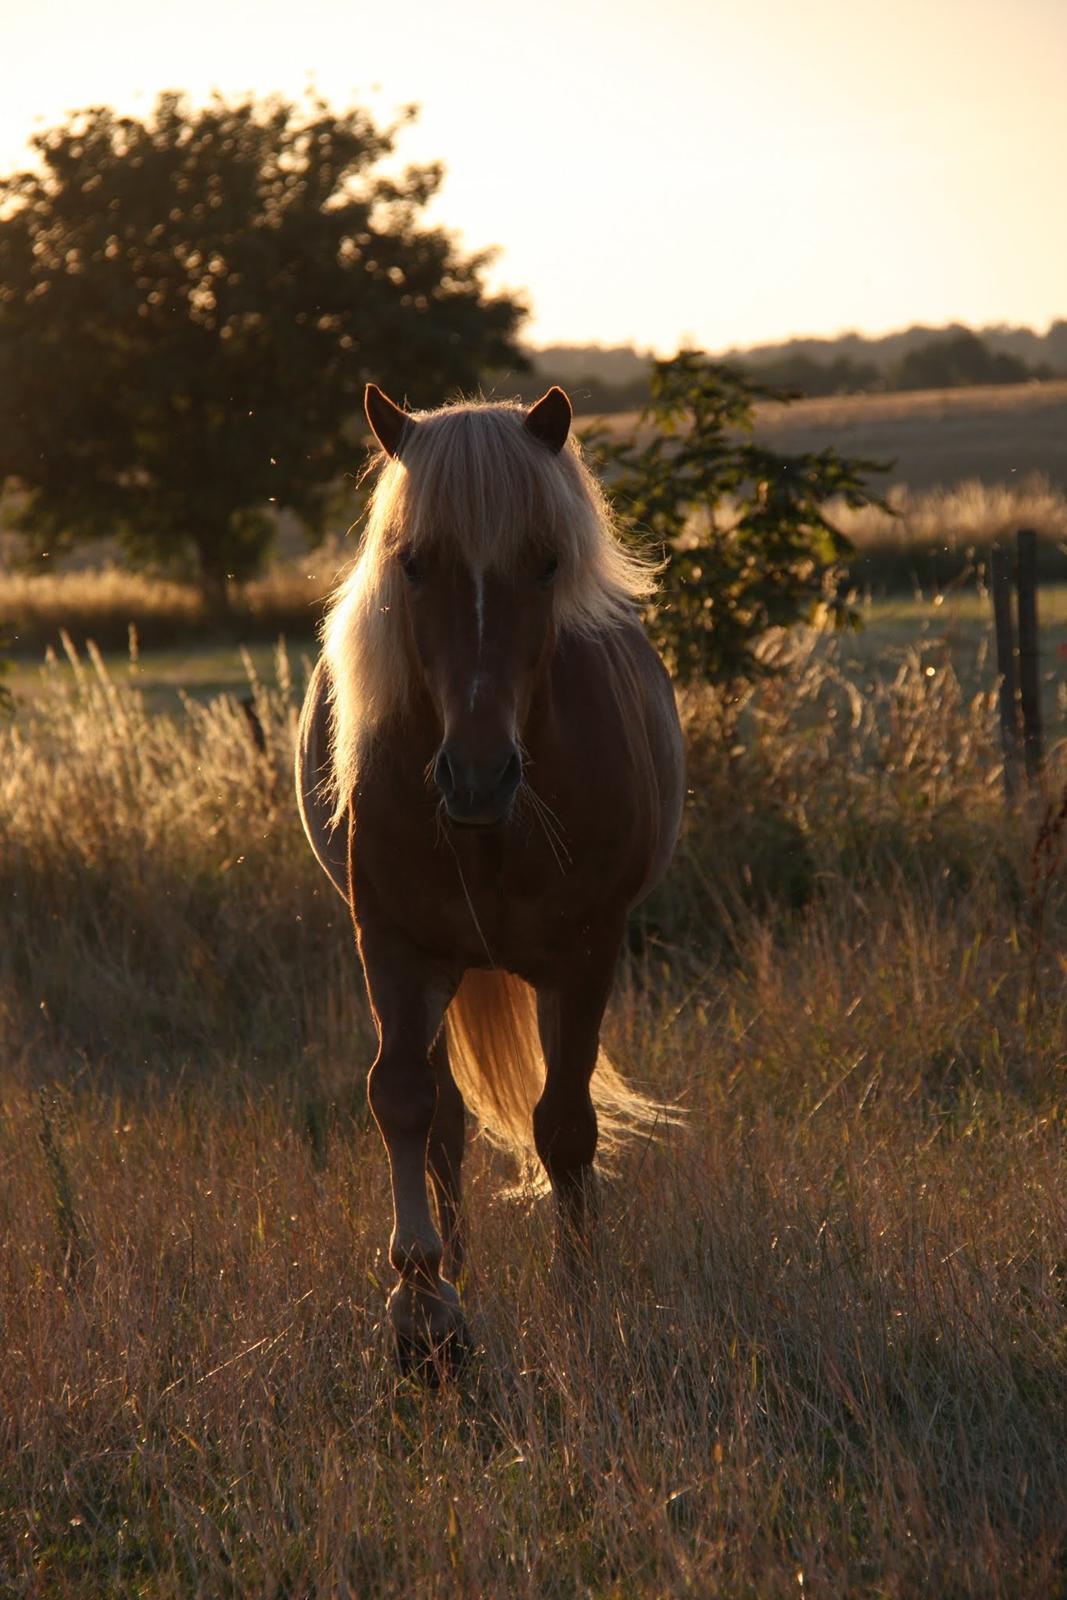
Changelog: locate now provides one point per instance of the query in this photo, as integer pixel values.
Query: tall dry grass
(105, 603)
(158, 892)
(945, 535)
(942, 537)
(970, 513)
(824, 1346)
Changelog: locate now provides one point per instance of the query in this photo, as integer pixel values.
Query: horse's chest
(500, 900)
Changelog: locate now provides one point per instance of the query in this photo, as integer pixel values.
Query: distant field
(998, 434)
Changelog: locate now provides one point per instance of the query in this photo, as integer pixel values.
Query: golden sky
(724, 172)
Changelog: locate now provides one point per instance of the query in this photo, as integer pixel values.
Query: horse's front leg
(409, 998)
(569, 1014)
(448, 1134)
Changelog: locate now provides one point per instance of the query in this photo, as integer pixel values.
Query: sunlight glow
(725, 173)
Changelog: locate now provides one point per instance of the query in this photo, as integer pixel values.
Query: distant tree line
(618, 379)
(960, 360)
(598, 379)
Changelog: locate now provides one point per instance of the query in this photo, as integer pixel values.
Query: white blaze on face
(479, 603)
(478, 578)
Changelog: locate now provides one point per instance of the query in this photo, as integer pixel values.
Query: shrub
(746, 539)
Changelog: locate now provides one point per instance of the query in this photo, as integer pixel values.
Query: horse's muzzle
(477, 794)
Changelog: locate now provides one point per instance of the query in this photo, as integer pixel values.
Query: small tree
(745, 538)
(190, 308)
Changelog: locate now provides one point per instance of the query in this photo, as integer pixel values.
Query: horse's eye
(548, 572)
(411, 568)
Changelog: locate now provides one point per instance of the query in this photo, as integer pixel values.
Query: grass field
(935, 439)
(824, 1346)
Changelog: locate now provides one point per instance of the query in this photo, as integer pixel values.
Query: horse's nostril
(511, 772)
(442, 773)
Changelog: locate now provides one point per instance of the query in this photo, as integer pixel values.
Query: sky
(716, 172)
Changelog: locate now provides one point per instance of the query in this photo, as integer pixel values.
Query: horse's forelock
(475, 483)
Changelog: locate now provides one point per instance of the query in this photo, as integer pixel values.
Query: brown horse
(490, 771)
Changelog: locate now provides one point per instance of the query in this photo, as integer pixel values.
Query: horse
(489, 770)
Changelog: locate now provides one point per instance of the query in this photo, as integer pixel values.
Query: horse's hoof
(432, 1339)
(434, 1362)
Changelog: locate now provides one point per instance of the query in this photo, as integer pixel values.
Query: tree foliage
(746, 537)
(190, 307)
(807, 375)
(958, 361)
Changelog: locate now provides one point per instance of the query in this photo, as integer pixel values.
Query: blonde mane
(474, 477)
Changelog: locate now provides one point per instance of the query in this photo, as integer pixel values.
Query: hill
(994, 434)
(887, 350)
(920, 357)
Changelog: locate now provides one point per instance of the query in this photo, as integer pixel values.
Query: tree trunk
(215, 588)
(214, 581)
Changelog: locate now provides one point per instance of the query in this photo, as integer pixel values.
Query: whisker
(546, 812)
(440, 820)
(527, 762)
(549, 823)
(529, 809)
(552, 836)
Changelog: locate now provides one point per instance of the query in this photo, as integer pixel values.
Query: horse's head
(478, 599)
(487, 539)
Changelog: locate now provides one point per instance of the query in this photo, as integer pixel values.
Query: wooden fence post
(1000, 583)
(1029, 675)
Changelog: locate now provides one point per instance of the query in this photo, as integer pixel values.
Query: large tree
(190, 307)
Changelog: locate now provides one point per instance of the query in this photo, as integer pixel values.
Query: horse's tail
(495, 1053)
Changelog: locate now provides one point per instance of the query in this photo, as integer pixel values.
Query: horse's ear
(387, 421)
(550, 419)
